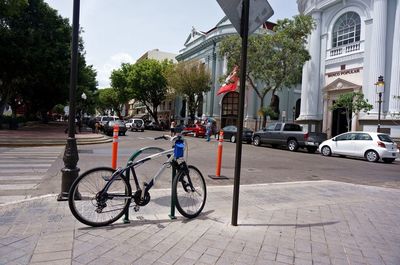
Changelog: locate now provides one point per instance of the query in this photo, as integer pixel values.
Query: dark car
(153, 126)
(109, 127)
(230, 132)
(198, 130)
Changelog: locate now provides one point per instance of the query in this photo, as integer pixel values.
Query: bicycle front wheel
(93, 206)
(189, 192)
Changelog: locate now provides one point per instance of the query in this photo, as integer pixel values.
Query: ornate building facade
(204, 46)
(354, 42)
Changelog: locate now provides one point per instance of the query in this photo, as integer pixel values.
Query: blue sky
(117, 31)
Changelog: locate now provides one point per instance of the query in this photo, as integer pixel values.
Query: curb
(52, 142)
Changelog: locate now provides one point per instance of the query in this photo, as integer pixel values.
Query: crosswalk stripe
(2, 161)
(25, 165)
(20, 177)
(23, 169)
(18, 186)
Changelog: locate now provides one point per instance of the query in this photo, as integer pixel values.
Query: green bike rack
(173, 202)
(131, 159)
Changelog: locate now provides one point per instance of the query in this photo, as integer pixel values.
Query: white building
(204, 46)
(354, 42)
(166, 108)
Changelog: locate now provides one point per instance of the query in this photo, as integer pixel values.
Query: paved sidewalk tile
(291, 223)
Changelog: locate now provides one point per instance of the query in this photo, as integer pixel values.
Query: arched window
(347, 29)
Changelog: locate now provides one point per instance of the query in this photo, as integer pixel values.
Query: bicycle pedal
(136, 208)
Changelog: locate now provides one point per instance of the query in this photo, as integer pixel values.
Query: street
(35, 171)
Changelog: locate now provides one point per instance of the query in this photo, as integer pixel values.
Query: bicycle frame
(171, 161)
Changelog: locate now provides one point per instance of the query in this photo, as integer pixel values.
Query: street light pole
(380, 88)
(294, 113)
(70, 171)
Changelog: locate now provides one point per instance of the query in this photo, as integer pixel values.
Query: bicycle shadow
(140, 220)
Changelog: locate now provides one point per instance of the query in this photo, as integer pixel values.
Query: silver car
(369, 145)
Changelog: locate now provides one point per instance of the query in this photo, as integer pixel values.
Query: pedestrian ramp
(23, 169)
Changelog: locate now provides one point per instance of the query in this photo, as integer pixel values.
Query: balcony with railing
(351, 48)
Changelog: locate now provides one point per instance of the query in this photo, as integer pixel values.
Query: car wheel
(257, 141)
(371, 156)
(326, 151)
(292, 145)
(388, 160)
(233, 138)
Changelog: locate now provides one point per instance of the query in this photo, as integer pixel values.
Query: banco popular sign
(344, 72)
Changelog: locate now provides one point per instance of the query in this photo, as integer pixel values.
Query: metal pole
(244, 32)
(70, 171)
(379, 112)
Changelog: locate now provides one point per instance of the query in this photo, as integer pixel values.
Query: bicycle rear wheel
(189, 192)
(95, 208)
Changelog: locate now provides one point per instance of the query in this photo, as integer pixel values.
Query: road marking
(25, 165)
(21, 177)
(18, 186)
(23, 169)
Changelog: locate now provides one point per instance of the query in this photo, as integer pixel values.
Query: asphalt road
(259, 165)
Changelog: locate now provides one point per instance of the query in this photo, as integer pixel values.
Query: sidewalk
(321, 222)
(52, 133)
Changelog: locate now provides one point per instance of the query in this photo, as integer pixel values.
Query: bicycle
(100, 196)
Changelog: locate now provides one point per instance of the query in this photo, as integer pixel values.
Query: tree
(119, 81)
(148, 84)
(34, 46)
(352, 103)
(190, 79)
(35, 57)
(108, 99)
(274, 60)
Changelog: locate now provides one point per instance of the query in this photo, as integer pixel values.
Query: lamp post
(380, 88)
(294, 113)
(84, 97)
(70, 170)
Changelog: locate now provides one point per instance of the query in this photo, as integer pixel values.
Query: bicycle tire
(189, 203)
(84, 205)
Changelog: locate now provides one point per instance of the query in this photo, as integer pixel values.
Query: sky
(120, 31)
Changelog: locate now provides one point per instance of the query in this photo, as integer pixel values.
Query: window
(271, 127)
(347, 29)
(230, 104)
(292, 127)
(363, 136)
(278, 127)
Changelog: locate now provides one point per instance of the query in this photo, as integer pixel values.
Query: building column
(311, 74)
(325, 125)
(394, 101)
(378, 50)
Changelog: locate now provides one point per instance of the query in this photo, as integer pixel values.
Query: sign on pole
(246, 16)
(259, 12)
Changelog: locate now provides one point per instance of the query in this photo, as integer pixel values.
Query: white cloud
(114, 62)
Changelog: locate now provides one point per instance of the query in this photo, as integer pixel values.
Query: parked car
(108, 128)
(230, 132)
(198, 130)
(135, 124)
(153, 126)
(369, 145)
(290, 135)
(103, 120)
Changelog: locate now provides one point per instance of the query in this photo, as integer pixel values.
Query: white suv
(135, 125)
(104, 119)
